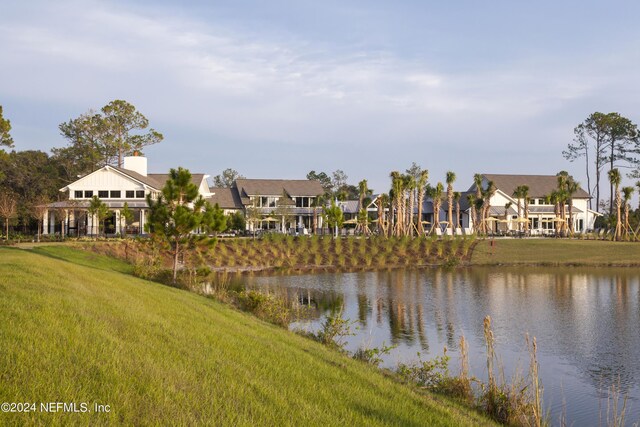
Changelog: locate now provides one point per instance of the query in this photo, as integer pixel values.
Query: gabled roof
(539, 185)
(226, 198)
(162, 178)
(148, 180)
(275, 187)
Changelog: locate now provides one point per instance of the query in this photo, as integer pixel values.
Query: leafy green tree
(5, 128)
(89, 146)
(604, 139)
(121, 120)
(333, 215)
(99, 210)
(97, 139)
(214, 220)
(227, 178)
(177, 213)
(324, 179)
(30, 174)
(236, 221)
(126, 216)
(8, 209)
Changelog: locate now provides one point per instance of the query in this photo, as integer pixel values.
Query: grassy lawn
(556, 252)
(82, 331)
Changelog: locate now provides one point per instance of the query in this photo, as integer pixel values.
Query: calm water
(586, 321)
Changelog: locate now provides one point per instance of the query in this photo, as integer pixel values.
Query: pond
(586, 322)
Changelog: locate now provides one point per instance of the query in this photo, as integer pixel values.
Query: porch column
(117, 212)
(65, 223)
(142, 222)
(52, 222)
(45, 222)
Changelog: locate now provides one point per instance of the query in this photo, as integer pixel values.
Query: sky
(276, 89)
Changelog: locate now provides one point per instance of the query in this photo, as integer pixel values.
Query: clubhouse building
(285, 205)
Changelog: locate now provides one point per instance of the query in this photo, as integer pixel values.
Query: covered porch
(72, 218)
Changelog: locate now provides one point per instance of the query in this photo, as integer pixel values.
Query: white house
(542, 217)
(114, 186)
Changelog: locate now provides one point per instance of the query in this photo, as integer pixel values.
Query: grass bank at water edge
(158, 355)
(554, 252)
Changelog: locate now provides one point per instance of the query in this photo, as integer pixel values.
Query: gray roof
(498, 211)
(162, 178)
(226, 198)
(275, 187)
(148, 180)
(539, 185)
(157, 180)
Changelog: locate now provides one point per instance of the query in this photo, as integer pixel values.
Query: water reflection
(586, 321)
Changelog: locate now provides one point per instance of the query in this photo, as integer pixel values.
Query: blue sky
(278, 88)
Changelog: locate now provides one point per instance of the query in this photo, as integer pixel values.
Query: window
(103, 194)
(78, 194)
(532, 201)
(130, 194)
(88, 194)
(139, 194)
(115, 194)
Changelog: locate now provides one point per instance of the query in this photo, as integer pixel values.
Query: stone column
(45, 223)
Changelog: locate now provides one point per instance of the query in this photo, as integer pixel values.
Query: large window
(103, 194)
(115, 194)
(88, 194)
(130, 194)
(78, 194)
(303, 202)
(139, 194)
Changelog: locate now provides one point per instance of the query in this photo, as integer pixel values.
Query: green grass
(159, 355)
(556, 252)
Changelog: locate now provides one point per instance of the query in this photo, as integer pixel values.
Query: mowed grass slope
(158, 355)
(556, 252)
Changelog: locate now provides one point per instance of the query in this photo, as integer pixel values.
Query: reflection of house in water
(589, 316)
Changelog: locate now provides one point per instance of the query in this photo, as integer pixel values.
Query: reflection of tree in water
(585, 315)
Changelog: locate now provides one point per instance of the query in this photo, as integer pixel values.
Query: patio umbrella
(519, 220)
(490, 219)
(350, 221)
(270, 219)
(426, 222)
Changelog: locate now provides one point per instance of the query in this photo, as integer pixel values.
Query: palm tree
(615, 179)
(436, 195)
(456, 198)
(421, 184)
(383, 204)
(487, 194)
(477, 181)
(572, 187)
(525, 196)
(410, 186)
(451, 177)
(518, 193)
(626, 194)
(506, 212)
(471, 198)
(397, 189)
(363, 192)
